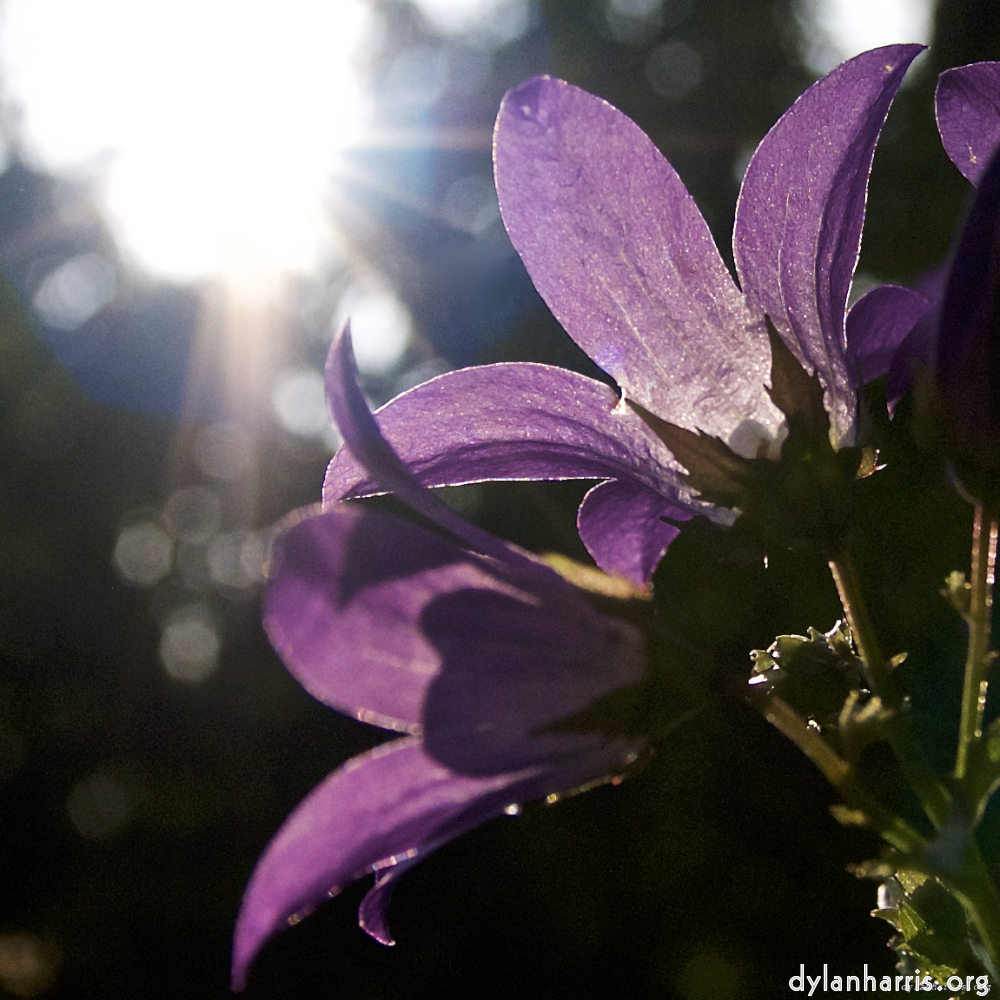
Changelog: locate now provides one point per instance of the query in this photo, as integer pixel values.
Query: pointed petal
(511, 421)
(344, 599)
(391, 804)
(623, 528)
(876, 326)
(618, 249)
(967, 105)
(373, 913)
(362, 436)
(581, 773)
(801, 210)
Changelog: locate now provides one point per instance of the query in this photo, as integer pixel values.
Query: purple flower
(962, 412)
(491, 663)
(618, 249)
(967, 108)
(967, 104)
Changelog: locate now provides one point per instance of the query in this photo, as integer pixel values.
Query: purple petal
(918, 345)
(801, 210)
(618, 249)
(513, 666)
(967, 102)
(362, 436)
(623, 528)
(876, 326)
(389, 805)
(966, 358)
(345, 595)
(512, 421)
(373, 913)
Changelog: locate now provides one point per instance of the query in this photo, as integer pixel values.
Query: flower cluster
(618, 249)
(511, 681)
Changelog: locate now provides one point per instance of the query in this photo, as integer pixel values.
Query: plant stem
(978, 659)
(837, 771)
(931, 793)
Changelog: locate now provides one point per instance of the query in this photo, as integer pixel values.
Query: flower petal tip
(529, 102)
(374, 910)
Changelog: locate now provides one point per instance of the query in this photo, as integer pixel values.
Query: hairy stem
(978, 660)
(932, 794)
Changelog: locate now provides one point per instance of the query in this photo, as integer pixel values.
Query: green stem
(932, 794)
(978, 660)
(837, 771)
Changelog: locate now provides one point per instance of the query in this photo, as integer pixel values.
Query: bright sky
(213, 124)
(857, 25)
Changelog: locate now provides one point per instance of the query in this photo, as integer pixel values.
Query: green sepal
(863, 720)
(816, 674)
(795, 392)
(720, 475)
(800, 500)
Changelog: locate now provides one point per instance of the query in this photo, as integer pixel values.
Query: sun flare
(209, 126)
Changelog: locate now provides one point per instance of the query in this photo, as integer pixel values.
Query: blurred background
(193, 195)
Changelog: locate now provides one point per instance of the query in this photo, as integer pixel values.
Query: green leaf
(933, 933)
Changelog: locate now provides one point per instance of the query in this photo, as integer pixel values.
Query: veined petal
(344, 600)
(386, 806)
(623, 528)
(967, 106)
(876, 326)
(512, 421)
(618, 249)
(801, 210)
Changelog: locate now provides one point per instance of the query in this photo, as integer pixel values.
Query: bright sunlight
(210, 127)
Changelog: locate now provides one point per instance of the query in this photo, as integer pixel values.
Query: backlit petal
(623, 528)
(876, 326)
(967, 103)
(618, 249)
(801, 211)
(515, 665)
(345, 595)
(512, 421)
(378, 809)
